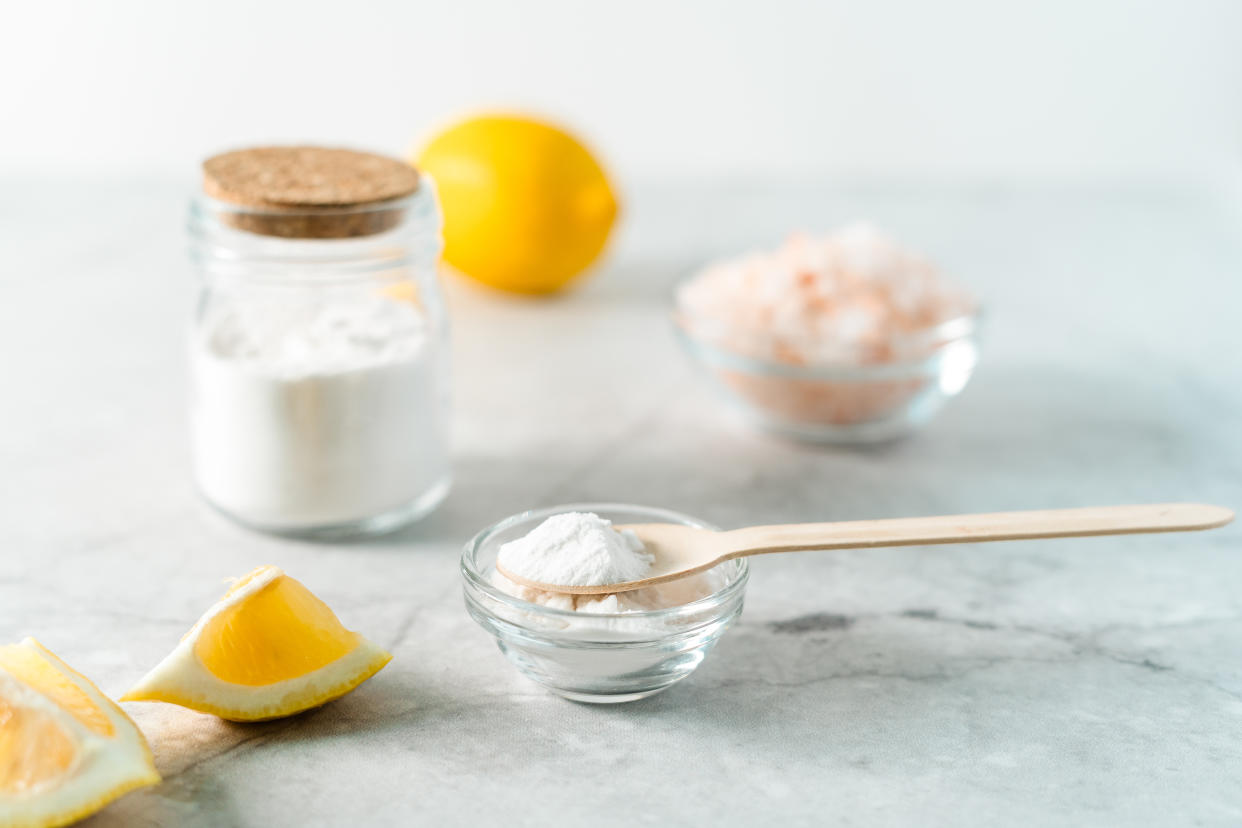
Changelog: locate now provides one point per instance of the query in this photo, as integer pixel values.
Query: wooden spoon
(684, 550)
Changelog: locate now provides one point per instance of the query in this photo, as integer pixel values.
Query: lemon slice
(66, 750)
(269, 648)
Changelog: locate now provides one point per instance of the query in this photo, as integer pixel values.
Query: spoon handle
(1052, 523)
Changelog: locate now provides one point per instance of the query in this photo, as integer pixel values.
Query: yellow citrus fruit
(66, 750)
(526, 205)
(268, 648)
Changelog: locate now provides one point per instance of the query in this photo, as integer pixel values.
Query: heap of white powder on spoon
(583, 548)
(576, 549)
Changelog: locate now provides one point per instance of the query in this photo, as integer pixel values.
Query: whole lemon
(526, 205)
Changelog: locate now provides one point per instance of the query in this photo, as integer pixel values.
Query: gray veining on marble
(1087, 682)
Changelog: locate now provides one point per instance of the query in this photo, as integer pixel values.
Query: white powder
(294, 340)
(316, 414)
(576, 549)
(662, 596)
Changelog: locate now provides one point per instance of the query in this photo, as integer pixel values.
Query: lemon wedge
(268, 649)
(527, 207)
(66, 750)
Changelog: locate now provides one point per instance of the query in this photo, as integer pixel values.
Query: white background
(968, 90)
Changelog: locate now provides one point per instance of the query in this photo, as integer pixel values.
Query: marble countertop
(1087, 682)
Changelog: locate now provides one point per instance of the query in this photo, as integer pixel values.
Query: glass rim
(410, 238)
(933, 341)
(475, 579)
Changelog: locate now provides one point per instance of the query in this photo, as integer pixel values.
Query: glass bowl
(847, 401)
(598, 657)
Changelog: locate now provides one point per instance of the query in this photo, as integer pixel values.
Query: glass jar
(319, 364)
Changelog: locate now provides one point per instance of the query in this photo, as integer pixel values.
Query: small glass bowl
(842, 402)
(589, 657)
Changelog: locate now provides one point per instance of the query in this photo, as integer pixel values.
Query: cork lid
(309, 192)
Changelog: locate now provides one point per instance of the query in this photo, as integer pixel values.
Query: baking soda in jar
(318, 351)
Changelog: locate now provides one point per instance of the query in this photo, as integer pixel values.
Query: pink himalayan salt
(853, 296)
